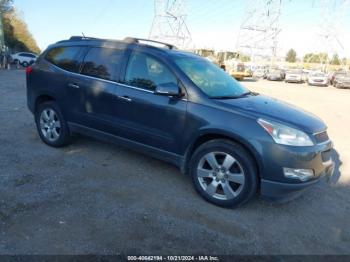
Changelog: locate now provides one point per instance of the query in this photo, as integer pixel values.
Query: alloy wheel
(220, 175)
(50, 125)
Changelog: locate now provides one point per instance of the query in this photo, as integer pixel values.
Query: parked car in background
(24, 58)
(342, 81)
(317, 79)
(334, 75)
(181, 108)
(305, 74)
(259, 73)
(294, 76)
(283, 72)
(275, 75)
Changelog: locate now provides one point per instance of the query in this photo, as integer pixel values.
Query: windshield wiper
(235, 97)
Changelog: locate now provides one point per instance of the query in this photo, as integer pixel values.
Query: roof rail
(77, 38)
(140, 40)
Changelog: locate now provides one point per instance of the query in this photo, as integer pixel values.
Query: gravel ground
(96, 198)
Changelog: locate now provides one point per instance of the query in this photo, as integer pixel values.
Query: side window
(146, 72)
(64, 57)
(102, 63)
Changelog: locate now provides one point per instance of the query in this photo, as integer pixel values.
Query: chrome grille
(321, 137)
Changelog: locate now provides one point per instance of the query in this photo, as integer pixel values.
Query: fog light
(301, 174)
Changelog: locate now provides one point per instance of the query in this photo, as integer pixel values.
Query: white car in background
(317, 79)
(259, 73)
(294, 76)
(24, 58)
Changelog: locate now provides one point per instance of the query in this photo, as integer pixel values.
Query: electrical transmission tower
(331, 30)
(258, 34)
(169, 23)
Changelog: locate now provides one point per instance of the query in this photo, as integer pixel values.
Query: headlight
(285, 135)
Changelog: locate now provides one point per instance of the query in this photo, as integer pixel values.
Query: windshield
(318, 74)
(294, 72)
(277, 72)
(340, 74)
(212, 80)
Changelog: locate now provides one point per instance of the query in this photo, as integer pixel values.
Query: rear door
(94, 91)
(55, 69)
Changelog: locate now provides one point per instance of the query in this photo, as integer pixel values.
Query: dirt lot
(93, 197)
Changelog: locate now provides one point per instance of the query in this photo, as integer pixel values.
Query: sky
(212, 23)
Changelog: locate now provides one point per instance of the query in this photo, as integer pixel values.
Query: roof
(126, 41)
(157, 46)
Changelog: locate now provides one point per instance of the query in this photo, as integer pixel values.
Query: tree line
(16, 32)
(315, 58)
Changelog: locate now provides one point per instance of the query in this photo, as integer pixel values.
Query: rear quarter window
(65, 58)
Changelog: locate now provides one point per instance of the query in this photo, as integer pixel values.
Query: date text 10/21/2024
(172, 258)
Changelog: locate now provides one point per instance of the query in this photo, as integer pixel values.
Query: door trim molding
(167, 156)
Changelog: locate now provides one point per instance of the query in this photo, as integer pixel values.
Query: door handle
(125, 98)
(73, 85)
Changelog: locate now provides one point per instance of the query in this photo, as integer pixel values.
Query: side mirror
(168, 89)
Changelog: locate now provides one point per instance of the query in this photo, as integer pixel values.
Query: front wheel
(224, 173)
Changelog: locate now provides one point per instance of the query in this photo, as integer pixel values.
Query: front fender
(213, 132)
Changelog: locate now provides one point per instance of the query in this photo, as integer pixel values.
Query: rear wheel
(52, 127)
(224, 173)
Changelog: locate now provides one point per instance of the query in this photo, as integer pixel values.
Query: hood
(274, 74)
(293, 75)
(318, 77)
(269, 108)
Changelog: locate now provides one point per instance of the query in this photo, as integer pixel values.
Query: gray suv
(181, 108)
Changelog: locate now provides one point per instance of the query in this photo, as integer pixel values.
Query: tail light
(28, 70)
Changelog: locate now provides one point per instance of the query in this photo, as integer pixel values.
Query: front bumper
(293, 80)
(318, 83)
(343, 85)
(286, 191)
(274, 78)
(275, 186)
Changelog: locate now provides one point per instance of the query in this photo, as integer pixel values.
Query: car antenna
(83, 34)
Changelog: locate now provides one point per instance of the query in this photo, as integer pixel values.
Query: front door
(151, 119)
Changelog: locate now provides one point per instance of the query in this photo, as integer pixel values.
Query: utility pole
(169, 23)
(258, 34)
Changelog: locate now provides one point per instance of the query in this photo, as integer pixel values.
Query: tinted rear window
(26, 55)
(102, 63)
(65, 57)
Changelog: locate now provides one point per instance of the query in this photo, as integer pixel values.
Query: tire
(51, 125)
(25, 64)
(232, 186)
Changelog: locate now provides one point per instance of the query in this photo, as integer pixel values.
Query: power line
(258, 34)
(329, 36)
(169, 23)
